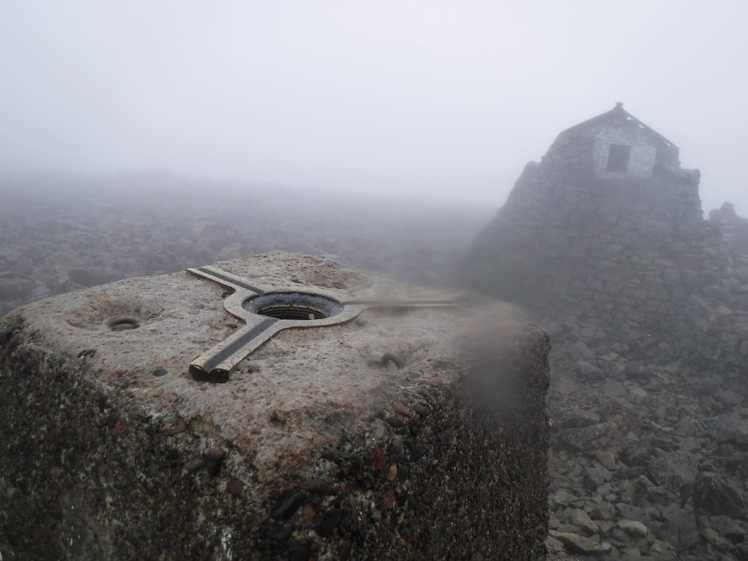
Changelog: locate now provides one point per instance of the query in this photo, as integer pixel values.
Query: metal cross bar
(258, 329)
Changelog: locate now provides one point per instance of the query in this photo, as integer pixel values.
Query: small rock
(680, 526)
(579, 419)
(713, 494)
(158, 372)
(553, 546)
(595, 475)
(633, 528)
(401, 409)
(734, 530)
(729, 398)
(575, 543)
(562, 497)
(588, 371)
(714, 538)
(583, 438)
(194, 465)
(278, 417)
(602, 511)
(581, 519)
(630, 554)
(607, 458)
(629, 512)
(637, 394)
(393, 421)
(179, 426)
(307, 515)
(660, 548)
(741, 552)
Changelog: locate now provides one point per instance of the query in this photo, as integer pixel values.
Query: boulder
(574, 543)
(633, 528)
(112, 447)
(585, 438)
(713, 494)
(582, 520)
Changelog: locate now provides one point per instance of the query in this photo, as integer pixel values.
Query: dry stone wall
(646, 304)
(631, 254)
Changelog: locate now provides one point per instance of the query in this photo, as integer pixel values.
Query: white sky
(440, 99)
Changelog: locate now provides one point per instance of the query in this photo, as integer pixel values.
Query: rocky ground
(649, 457)
(62, 234)
(649, 460)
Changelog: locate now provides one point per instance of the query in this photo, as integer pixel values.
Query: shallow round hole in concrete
(293, 306)
(122, 323)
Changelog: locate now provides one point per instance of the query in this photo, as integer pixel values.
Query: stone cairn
(647, 306)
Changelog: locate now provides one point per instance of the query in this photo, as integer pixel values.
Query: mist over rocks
(642, 299)
(604, 243)
(62, 232)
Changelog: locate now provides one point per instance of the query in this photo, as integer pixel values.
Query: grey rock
(595, 475)
(581, 519)
(640, 372)
(741, 552)
(712, 537)
(575, 543)
(633, 528)
(629, 512)
(680, 527)
(713, 494)
(602, 511)
(729, 398)
(588, 371)
(631, 553)
(637, 454)
(562, 497)
(729, 427)
(584, 438)
(579, 419)
(607, 458)
(735, 531)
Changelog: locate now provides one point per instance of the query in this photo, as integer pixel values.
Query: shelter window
(618, 157)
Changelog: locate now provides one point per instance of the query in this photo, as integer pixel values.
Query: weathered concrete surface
(313, 449)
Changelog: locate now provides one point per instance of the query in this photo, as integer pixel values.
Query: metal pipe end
(199, 374)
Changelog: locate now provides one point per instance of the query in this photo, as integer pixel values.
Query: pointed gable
(616, 144)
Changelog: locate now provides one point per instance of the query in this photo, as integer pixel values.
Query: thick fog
(427, 99)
